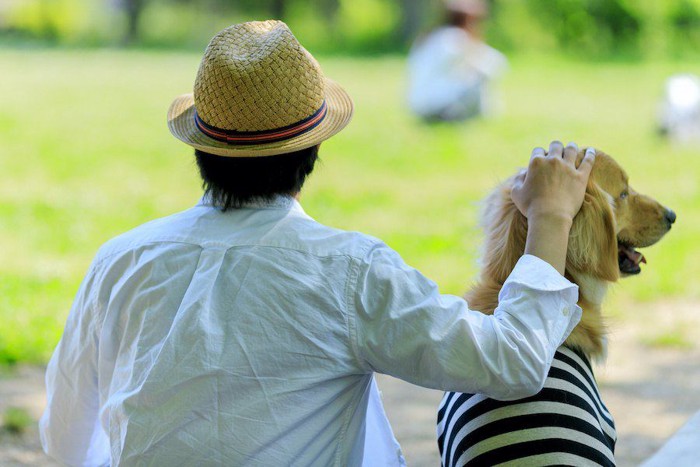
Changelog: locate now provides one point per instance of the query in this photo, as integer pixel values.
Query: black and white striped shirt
(566, 423)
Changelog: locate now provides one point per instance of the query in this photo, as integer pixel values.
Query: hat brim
(339, 113)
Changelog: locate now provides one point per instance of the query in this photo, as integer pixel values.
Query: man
(243, 332)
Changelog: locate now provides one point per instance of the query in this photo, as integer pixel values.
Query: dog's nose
(670, 216)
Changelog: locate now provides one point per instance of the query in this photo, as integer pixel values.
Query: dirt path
(23, 388)
(651, 390)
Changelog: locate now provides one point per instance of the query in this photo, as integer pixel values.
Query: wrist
(548, 237)
(550, 220)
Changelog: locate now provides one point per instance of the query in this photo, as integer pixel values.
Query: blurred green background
(85, 153)
(585, 28)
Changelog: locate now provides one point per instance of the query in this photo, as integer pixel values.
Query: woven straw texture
(256, 77)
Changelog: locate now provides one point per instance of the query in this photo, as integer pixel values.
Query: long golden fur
(613, 220)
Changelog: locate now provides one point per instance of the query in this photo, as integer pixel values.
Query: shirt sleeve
(405, 328)
(70, 428)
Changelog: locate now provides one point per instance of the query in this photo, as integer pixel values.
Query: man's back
(225, 335)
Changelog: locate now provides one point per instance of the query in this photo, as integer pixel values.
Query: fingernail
(572, 144)
(590, 152)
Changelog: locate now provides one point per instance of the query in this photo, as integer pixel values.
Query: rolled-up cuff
(556, 296)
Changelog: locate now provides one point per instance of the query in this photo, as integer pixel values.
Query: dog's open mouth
(629, 259)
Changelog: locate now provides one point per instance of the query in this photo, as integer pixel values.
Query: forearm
(548, 238)
(505, 356)
(404, 327)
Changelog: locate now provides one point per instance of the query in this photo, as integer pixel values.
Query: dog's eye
(624, 194)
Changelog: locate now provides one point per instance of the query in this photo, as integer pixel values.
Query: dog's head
(613, 221)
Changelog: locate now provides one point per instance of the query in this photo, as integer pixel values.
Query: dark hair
(456, 18)
(231, 182)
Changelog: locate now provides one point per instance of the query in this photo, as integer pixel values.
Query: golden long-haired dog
(567, 422)
(614, 220)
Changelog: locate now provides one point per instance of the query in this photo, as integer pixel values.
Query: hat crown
(256, 76)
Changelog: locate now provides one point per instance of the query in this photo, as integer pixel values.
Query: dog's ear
(592, 240)
(506, 231)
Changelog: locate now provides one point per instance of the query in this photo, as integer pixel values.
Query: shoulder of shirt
(305, 234)
(448, 34)
(302, 234)
(145, 233)
(438, 46)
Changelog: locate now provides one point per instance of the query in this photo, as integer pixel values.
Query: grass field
(85, 154)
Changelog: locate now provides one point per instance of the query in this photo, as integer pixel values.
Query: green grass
(85, 154)
(675, 339)
(17, 420)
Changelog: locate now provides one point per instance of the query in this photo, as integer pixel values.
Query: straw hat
(258, 92)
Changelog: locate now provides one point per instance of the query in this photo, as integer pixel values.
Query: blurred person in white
(679, 112)
(242, 331)
(450, 68)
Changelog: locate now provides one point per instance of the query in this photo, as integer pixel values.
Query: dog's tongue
(630, 259)
(633, 255)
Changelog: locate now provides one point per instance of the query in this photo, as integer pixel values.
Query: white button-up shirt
(250, 337)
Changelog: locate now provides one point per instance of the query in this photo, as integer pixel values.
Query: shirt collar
(285, 202)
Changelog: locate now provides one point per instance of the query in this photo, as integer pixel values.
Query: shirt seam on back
(100, 260)
(350, 286)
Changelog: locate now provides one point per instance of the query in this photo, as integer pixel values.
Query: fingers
(555, 149)
(570, 153)
(537, 152)
(587, 162)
